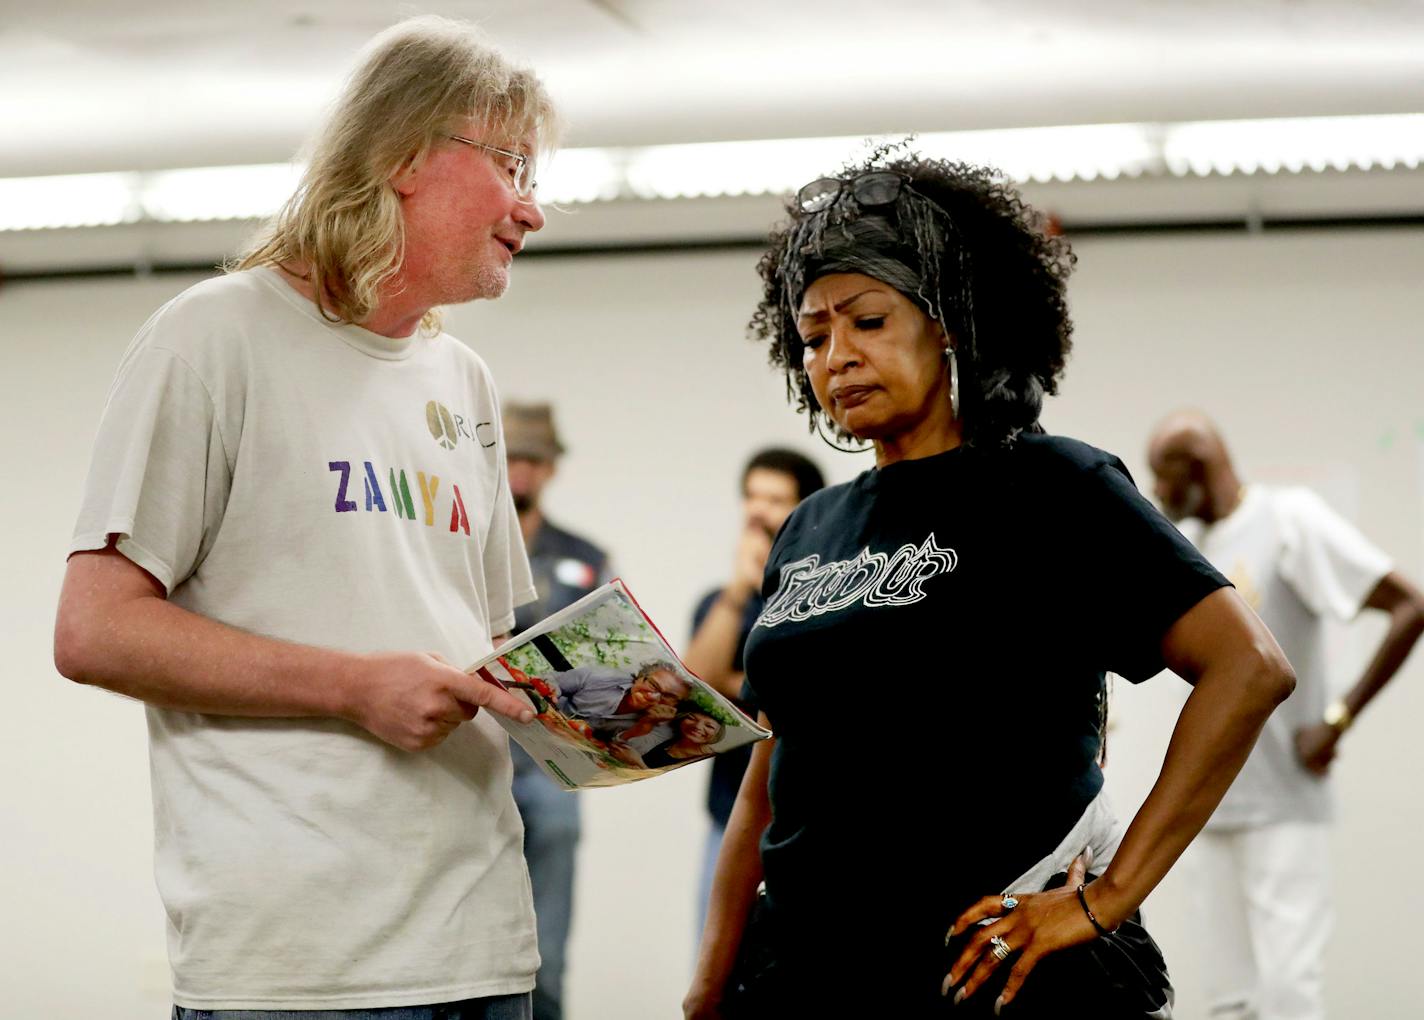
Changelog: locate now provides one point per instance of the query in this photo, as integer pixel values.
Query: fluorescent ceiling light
(1296, 144)
(778, 166)
(164, 196)
(217, 192)
(68, 200)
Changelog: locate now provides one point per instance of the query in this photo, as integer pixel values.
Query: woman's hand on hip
(1038, 924)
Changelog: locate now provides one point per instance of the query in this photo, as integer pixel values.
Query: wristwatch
(1338, 716)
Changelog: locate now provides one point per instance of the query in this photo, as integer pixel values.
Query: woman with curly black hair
(988, 576)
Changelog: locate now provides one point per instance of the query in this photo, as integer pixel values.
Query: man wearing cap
(566, 568)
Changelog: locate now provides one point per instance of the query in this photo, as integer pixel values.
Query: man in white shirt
(1264, 855)
(297, 527)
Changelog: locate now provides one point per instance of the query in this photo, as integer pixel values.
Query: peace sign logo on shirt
(442, 424)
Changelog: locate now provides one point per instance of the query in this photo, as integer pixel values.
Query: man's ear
(404, 179)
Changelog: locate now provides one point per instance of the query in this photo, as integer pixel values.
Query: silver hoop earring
(953, 381)
(816, 427)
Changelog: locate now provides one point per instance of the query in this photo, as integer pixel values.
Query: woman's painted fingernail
(949, 934)
(959, 995)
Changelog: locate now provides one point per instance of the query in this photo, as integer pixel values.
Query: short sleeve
(509, 582)
(160, 474)
(1142, 573)
(571, 681)
(605, 571)
(1325, 559)
(704, 606)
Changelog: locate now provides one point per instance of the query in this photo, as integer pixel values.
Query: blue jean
(551, 833)
(494, 1007)
(710, 850)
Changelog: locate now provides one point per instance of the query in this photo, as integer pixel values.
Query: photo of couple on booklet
(613, 703)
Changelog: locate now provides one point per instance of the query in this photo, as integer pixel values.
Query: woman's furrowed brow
(840, 306)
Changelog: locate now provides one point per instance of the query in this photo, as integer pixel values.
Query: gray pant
(551, 833)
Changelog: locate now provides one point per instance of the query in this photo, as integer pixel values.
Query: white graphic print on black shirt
(807, 588)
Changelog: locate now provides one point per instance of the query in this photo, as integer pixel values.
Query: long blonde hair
(417, 82)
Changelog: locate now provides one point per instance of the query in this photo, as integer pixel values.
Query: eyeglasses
(665, 694)
(878, 187)
(521, 174)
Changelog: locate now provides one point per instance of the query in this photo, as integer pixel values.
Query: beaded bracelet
(1083, 899)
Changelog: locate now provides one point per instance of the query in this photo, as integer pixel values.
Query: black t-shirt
(729, 766)
(932, 657)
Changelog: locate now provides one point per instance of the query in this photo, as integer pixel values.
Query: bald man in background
(1264, 855)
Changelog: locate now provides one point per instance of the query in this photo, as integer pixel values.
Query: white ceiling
(142, 84)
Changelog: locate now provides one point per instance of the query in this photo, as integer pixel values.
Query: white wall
(1307, 347)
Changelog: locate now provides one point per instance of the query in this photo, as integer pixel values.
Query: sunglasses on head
(870, 189)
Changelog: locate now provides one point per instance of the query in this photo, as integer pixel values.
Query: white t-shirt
(1296, 562)
(325, 485)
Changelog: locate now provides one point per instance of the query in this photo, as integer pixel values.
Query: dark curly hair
(1000, 279)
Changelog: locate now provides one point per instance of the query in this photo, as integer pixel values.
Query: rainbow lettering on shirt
(398, 492)
(808, 588)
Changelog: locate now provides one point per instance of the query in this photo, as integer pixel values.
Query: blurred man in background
(773, 483)
(1264, 854)
(566, 567)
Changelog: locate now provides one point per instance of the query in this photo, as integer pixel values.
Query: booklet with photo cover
(612, 701)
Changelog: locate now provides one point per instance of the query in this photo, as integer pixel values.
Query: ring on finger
(1008, 901)
(999, 948)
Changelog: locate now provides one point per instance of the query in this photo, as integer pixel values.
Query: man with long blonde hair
(297, 519)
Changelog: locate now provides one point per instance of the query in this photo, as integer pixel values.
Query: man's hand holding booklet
(612, 701)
